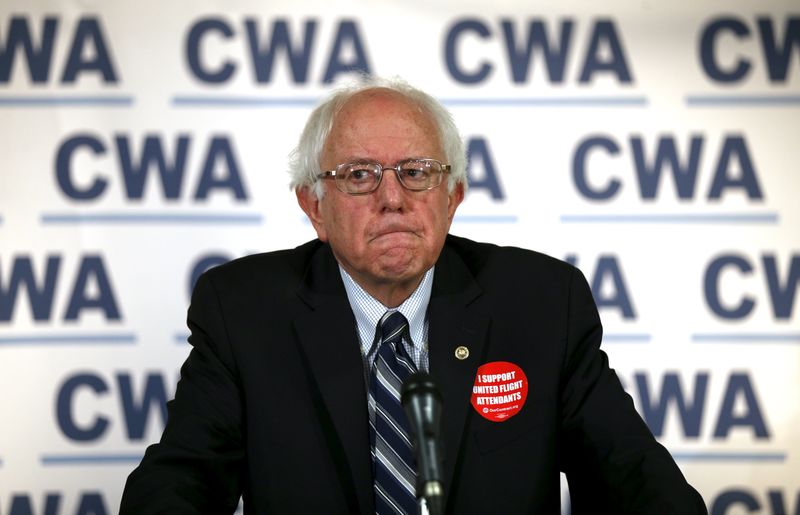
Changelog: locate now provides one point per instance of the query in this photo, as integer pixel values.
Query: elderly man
(289, 396)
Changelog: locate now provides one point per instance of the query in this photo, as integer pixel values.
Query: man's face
(389, 238)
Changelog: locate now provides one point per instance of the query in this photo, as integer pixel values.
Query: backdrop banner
(655, 145)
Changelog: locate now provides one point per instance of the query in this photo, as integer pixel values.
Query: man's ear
(454, 200)
(310, 205)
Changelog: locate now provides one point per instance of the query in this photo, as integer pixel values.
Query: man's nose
(390, 190)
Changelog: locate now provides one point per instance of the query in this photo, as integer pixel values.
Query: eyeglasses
(364, 178)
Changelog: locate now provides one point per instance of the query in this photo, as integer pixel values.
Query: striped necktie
(393, 461)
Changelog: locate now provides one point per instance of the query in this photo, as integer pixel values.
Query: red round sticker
(499, 391)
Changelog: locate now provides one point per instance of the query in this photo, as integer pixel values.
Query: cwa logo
(88, 51)
(276, 41)
(768, 279)
(88, 286)
(83, 416)
(603, 165)
(739, 410)
(129, 161)
(536, 46)
(733, 49)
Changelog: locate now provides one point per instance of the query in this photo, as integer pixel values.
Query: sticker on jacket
(499, 391)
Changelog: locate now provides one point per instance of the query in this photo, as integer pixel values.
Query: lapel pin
(462, 352)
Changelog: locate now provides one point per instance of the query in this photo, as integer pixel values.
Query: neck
(391, 295)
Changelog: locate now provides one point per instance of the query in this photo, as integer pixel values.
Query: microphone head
(419, 383)
(422, 403)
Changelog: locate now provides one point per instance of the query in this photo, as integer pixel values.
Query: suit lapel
(455, 320)
(329, 340)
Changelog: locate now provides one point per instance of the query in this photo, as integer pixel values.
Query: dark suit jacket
(272, 402)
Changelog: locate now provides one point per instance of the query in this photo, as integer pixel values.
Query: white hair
(304, 161)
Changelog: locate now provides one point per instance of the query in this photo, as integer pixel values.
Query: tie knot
(393, 325)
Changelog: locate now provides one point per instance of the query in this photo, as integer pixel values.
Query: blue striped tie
(392, 456)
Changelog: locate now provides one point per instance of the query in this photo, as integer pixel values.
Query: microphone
(422, 402)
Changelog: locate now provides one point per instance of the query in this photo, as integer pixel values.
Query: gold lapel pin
(462, 352)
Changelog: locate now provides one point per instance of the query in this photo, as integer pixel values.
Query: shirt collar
(368, 310)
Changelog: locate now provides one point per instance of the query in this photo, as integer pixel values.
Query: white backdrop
(654, 144)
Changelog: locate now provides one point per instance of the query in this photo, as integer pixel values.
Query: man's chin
(398, 267)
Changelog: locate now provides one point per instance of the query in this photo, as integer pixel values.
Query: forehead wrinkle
(358, 130)
(354, 149)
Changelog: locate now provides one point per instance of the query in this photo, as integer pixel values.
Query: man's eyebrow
(358, 159)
